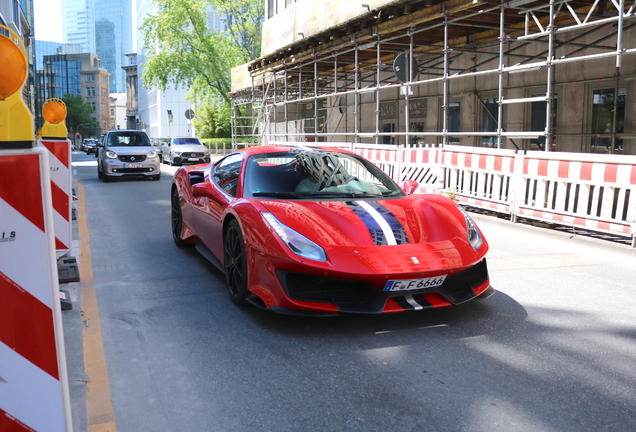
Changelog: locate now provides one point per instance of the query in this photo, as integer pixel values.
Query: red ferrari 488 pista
(311, 230)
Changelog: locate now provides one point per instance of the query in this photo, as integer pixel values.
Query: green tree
(183, 51)
(213, 120)
(79, 113)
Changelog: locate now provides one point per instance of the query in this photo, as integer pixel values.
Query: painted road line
(99, 406)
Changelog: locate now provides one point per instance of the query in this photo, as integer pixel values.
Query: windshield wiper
(345, 194)
(278, 194)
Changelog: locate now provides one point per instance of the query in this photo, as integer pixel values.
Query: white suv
(124, 153)
(182, 150)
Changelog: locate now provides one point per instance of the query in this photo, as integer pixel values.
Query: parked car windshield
(180, 141)
(315, 174)
(128, 139)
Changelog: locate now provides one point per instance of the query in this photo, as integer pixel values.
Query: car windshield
(128, 139)
(180, 141)
(315, 174)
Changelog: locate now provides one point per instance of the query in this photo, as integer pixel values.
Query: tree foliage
(213, 120)
(182, 50)
(79, 113)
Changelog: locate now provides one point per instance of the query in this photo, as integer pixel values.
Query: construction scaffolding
(469, 72)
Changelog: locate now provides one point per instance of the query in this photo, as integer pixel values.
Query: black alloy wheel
(235, 263)
(177, 219)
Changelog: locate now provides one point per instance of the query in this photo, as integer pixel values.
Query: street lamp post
(77, 133)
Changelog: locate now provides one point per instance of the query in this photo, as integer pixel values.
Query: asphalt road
(553, 350)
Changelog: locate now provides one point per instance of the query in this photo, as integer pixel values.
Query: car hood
(185, 148)
(417, 222)
(132, 150)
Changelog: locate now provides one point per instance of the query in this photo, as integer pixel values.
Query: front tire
(177, 219)
(235, 263)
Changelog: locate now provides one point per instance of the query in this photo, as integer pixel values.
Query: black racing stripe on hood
(379, 238)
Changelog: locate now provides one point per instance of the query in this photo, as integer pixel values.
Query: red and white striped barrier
(481, 177)
(582, 190)
(61, 190)
(422, 164)
(33, 382)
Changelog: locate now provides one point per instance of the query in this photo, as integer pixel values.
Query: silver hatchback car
(124, 153)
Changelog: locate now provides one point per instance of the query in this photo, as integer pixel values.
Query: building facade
(117, 109)
(523, 74)
(78, 75)
(102, 27)
(161, 113)
(132, 92)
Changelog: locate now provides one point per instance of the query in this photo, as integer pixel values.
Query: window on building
(454, 120)
(112, 111)
(417, 126)
(538, 118)
(489, 119)
(388, 128)
(604, 122)
(271, 8)
(90, 91)
(90, 77)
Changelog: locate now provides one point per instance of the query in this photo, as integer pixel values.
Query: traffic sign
(189, 114)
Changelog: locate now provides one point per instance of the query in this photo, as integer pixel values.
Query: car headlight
(176, 153)
(474, 237)
(152, 153)
(295, 241)
(111, 154)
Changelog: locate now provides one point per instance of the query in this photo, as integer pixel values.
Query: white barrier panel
(33, 382)
(482, 177)
(61, 192)
(422, 164)
(595, 192)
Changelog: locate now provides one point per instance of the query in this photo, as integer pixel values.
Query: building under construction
(521, 74)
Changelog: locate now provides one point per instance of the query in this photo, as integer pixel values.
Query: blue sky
(48, 20)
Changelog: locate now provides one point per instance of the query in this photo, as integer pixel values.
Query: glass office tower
(102, 27)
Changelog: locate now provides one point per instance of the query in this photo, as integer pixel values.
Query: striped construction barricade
(61, 190)
(596, 192)
(481, 177)
(34, 392)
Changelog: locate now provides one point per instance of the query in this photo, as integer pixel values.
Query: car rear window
(123, 139)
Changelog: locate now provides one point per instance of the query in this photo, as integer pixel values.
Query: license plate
(193, 159)
(414, 284)
(132, 165)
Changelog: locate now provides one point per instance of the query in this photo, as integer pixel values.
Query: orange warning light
(13, 61)
(54, 111)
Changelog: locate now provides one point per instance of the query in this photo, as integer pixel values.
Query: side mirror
(100, 144)
(203, 189)
(410, 186)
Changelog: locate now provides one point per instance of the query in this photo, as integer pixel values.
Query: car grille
(304, 287)
(357, 296)
(132, 158)
(132, 170)
(191, 155)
